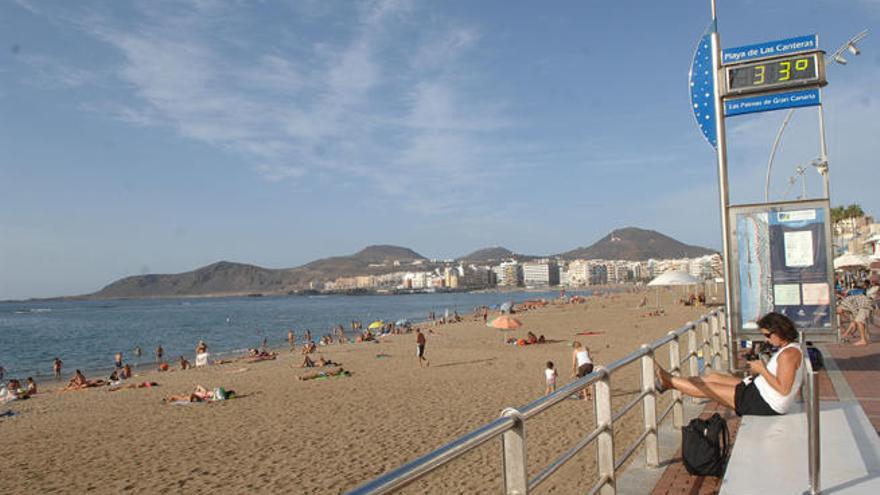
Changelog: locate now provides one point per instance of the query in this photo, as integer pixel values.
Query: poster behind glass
(781, 264)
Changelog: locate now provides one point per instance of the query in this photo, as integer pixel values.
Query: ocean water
(87, 334)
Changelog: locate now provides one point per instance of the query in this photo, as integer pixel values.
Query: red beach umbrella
(505, 323)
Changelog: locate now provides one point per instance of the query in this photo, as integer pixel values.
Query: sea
(86, 334)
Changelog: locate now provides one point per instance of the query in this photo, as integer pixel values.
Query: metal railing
(810, 392)
(703, 337)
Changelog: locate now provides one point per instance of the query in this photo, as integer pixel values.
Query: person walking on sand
(56, 367)
(550, 378)
(420, 347)
(581, 364)
(291, 339)
(159, 353)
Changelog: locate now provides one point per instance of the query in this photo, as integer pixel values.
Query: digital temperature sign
(806, 69)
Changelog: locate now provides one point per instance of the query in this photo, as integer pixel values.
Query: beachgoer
(2, 372)
(201, 348)
(159, 353)
(184, 364)
(769, 390)
(322, 373)
(126, 371)
(31, 386)
(550, 378)
(117, 360)
(137, 352)
(485, 314)
(200, 394)
(56, 367)
(307, 336)
(420, 348)
(321, 362)
(531, 338)
(581, 364)
(78, 380)
(859, 308)
(307, 362)
(291, 339)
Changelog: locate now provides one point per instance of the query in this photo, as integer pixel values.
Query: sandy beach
(328, 436)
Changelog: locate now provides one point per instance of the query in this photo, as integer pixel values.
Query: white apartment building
(540, 273)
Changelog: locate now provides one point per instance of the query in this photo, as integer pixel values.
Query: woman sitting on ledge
(769, 390)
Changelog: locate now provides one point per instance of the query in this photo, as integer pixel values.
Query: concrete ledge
(770, 453)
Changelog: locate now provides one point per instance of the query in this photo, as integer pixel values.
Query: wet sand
(329, 435)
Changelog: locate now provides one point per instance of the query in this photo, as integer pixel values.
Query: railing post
(692, 350)
(715, 330)
(605, 440)
(675, 369)
(705, 345)
(649, 407)
(514, 462)
(813, 437)
(724, 338)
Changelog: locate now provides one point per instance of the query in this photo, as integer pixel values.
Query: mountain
(227, 278)
(488, 254)
(636, 244)
(223, 277)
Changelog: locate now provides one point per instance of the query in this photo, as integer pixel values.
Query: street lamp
(820, 163)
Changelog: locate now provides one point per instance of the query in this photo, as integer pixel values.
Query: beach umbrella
(402, 323)
(505, 323)
(376, 324)
(852, 261)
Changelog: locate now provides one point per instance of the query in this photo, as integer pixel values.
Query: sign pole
(723, 189)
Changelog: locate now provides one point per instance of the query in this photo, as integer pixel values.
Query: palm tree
(853, 212)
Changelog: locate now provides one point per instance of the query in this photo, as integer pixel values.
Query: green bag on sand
(220, 393)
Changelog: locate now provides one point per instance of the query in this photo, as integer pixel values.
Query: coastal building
(509, 274)
(474, 277)
(540, 274)
(578, 274)
(598, 274)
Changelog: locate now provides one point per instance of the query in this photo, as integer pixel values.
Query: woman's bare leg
(700, 388)
(722, 378)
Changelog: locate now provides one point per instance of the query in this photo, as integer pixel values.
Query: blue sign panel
(703, 89)
(770, 49)
(764, 103)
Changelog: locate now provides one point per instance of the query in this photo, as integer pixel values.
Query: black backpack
(705, 444)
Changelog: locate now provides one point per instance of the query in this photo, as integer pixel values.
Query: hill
(223, 277)
(636, 244)
(487, 254)
(227, 278)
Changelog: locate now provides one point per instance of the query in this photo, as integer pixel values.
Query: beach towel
(201, 359)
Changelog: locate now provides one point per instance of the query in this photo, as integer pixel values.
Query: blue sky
(156, 136)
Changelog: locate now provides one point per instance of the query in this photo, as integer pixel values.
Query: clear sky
(158, 136)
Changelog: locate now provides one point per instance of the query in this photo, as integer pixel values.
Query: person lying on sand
(133, 385)
(79, 382)
(307, 363)
(200, 394)
(319, 374)
(325, 362)
(257, 355)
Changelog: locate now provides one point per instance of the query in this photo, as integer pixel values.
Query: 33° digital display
(796, 70)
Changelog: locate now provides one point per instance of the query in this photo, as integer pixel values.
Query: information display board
(781, 254)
